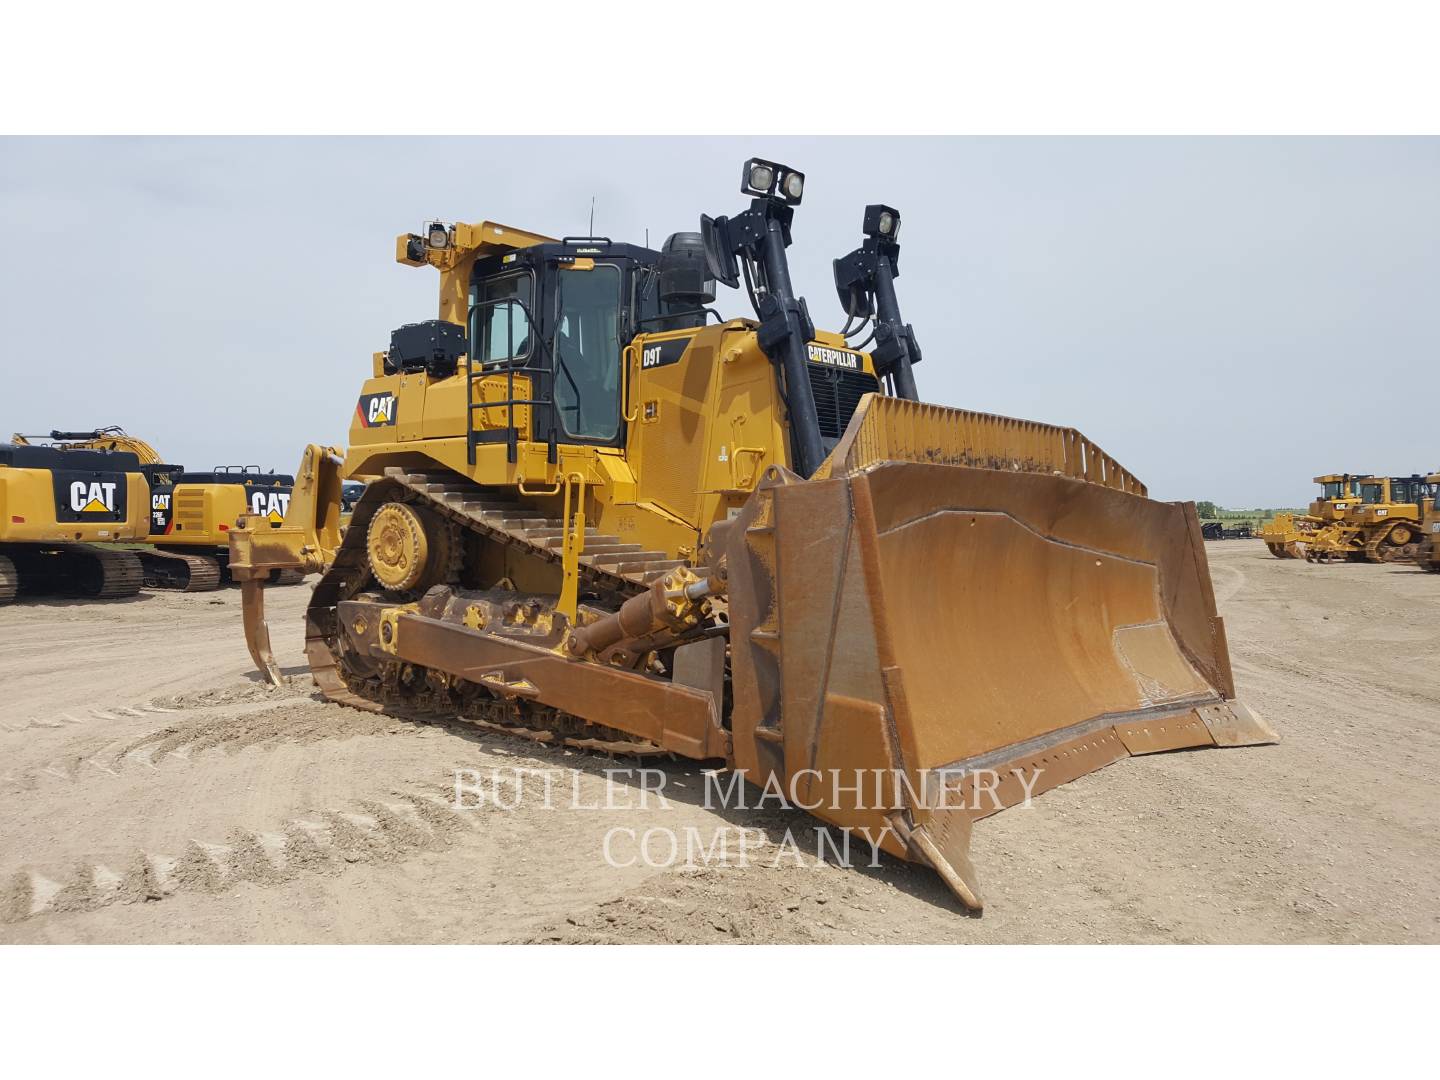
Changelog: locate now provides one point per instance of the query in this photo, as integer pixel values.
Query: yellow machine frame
(1284, 533)
(934, 593)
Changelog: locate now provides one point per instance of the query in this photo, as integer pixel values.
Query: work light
(767, 180)
(882, 222)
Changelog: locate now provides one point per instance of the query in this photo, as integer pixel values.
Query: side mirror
(719, 255)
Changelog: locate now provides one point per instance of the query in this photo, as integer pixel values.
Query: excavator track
(610, 570)
(102, 573)
(180, 571)
(9, 580)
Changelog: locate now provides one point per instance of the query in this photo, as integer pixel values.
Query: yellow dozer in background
(1384, 526)
(1427, 553)
(1284, 534)
(600, 515)
(56, 506)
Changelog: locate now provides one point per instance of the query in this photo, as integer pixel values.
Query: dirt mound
(718, 905)
(300, 722)
(291, 686)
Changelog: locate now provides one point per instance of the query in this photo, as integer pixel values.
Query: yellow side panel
(29, 494)
(445, 405)
(668, 441)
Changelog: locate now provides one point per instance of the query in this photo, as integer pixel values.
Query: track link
(180, 571)
(610, 570)
(1378, 548)
(88, 570)
(120, 572)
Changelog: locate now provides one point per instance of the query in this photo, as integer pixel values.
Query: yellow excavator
(1428, 553)
(601, 515)
(56, 508)
(1384, 526)
(190, 513)
(1284, 534)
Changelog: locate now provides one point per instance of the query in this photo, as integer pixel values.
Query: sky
(1226, 317)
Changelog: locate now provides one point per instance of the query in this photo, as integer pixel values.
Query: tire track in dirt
(384, 829)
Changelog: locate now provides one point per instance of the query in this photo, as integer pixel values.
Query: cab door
(586, 352)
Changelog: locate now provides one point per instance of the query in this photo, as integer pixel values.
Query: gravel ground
(154, 791)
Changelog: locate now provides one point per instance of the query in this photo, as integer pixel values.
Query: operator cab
(563, 314)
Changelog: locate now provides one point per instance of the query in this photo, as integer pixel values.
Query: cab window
(587, 352)
(497, 318)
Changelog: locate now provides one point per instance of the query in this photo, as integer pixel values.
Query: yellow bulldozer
(56, 507)
(1427, 552)
(1285, 534)
(599, 514)
(1384, 526)
(190, 513)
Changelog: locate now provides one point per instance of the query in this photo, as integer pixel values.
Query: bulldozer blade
(257, 630)
(976, 636)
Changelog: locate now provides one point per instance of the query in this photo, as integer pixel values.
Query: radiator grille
(837, 393)
(190, 511)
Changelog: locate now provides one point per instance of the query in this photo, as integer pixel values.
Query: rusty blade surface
(1005, 631)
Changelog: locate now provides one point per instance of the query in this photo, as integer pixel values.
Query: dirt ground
(152, 790)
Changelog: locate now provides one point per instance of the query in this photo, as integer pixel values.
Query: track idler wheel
(409, 547)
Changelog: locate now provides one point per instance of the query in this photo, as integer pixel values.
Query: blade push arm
(755, 242)
(865, 281)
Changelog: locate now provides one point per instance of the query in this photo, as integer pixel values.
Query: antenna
(592, 216)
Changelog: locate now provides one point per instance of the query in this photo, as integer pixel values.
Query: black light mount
(865, 283)
(759, 237)
(767, 179)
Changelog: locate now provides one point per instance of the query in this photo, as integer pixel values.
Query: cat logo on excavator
(618, 524)
(93, 497)
(270, 505)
